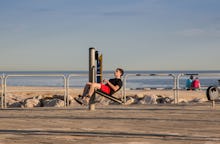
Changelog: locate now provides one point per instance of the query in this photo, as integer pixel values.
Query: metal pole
(174, 86)
(4, 90)
(213, 104)
(92, 74)
(92, 64)
(178, 86)
(2, 87)
(66, 94)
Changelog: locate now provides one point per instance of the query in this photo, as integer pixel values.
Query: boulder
(130, 100)
(53, 103)
(15, 104)
(164, 100)
(198, 100)
(32, 102)
(149, 99)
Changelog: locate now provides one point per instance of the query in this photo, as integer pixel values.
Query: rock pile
(148, 99)
(58, 100)
(37, 101)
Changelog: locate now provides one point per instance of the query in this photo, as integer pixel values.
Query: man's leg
(86, 89)
(88, 92)
(93, 87)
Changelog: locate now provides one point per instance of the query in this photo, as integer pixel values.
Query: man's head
(119, 72)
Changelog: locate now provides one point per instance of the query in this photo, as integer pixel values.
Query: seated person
(196, 84)
(108, 86)
(189, 83)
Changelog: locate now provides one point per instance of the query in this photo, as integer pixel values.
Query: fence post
(2, 95)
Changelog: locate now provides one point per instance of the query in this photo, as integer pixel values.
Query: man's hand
(105, 81)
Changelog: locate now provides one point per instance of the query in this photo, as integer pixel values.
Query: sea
(133, 79)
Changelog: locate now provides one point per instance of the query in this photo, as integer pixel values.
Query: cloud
(192, 32)
(122, 13)
(43, 10)
(198, 32)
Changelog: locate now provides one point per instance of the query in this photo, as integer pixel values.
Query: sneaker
(79, 100)
(82, 100)
(80, 96)
(85, 101)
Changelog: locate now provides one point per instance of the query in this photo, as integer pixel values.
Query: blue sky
(133, 34)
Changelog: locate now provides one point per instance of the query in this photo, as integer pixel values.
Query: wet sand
(113, 124)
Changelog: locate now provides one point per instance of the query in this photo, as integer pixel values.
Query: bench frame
(115, 99)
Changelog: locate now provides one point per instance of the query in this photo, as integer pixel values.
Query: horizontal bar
(139, 74)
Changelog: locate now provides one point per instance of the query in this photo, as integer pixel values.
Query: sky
(132, 34)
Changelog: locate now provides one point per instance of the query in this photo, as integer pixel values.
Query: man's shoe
(82, 101)
(85, 101)
(79, 100)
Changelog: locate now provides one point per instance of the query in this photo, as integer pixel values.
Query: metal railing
(6, 77)
(2, 91)
(149, 75)
(68, 84)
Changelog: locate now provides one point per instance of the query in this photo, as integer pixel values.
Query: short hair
(121, 70)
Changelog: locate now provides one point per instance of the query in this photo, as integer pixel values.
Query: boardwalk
(136, 124)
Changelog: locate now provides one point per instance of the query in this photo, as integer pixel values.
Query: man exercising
(108, 86)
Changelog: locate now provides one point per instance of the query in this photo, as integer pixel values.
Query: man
(108, 86)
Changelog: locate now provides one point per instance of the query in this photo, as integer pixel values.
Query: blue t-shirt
(188, 83)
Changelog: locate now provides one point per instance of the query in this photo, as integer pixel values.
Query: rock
(149, 100)
(58, 97)
(163, 100)
(197, 100)
(130, 100)
(15, 104)
(38, 97)
(139, 95)
(33, 102)
(53, 103)
(183, 101)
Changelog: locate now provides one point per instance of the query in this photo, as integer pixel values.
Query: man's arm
(115, 88)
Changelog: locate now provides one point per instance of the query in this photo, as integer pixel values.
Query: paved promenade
(115, 124)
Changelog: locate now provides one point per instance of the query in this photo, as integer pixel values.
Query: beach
(193, 120)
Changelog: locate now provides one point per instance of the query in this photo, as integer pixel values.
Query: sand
(184, 123)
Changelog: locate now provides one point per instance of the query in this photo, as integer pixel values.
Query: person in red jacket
(196, 84)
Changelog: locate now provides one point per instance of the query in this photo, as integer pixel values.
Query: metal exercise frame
(194, 74)
(80, 75)
(150, 75)
(122, 90)
(34, 75)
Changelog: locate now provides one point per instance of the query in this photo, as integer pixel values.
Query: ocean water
(79, 78)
